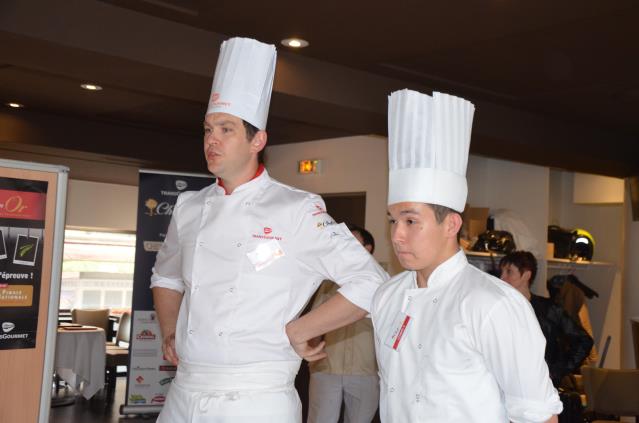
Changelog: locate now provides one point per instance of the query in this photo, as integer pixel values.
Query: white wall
(96, 205)
(521, 188)
(353, 164)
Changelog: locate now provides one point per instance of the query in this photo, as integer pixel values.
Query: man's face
(511, 274)
(226, 149)
(418, 240)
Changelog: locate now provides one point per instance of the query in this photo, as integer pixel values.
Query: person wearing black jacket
(567, 343)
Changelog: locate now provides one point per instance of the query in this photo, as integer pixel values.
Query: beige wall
(96, 205)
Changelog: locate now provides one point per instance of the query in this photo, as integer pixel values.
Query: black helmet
(495, 241)
(582, 245)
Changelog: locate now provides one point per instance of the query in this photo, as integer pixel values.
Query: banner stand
(149, 376)
(32, 216)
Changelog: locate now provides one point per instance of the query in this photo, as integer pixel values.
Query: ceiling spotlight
(295, 42)
(15, 105)
(91, 87)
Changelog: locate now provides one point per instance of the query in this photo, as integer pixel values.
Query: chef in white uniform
(453, 343)
(241, 259)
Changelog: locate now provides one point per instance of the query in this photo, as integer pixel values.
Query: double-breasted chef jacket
(467, 348)
(247, 264)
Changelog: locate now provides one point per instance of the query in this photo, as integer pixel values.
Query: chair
(611, 392)
(635, 339)
(117, 355)
(123, 333)
(91, 317)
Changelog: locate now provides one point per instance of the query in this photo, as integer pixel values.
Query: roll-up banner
(32, 211)
(149, 375)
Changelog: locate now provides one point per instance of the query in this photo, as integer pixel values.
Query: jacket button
(392, 389)
(190, 331)
(434, 300)
(239, 244)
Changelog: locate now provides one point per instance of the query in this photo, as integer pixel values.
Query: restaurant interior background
(555, 137)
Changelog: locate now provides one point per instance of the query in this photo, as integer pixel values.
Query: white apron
(255, 393)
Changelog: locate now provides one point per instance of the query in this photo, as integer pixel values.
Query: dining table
(80, 356)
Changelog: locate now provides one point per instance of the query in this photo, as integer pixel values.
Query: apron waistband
(267, 376)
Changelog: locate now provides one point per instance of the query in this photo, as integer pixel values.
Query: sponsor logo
(167, 368)
(137, 399)
(7, 327)
(215, 100)
(155, 208)
(165, 380)
(324, 224)
(181, 185)
(150, 319)
(318, 209)
(158, 399)
(267, 231)
(144, 352)
(139, 379)
(145, 335)
(143, 368)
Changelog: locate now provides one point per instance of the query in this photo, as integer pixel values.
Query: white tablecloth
(80, 359)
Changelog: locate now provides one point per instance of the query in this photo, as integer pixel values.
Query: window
(97, 270)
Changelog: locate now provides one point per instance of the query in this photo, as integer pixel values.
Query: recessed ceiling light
(15, 105)
(295, 42)
(91, 87)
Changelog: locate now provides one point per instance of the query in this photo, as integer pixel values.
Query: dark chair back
(612, 392)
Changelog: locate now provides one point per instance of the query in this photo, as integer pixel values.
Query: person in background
(567, 343)
(349, 372)
(453, 343)
(240, 260)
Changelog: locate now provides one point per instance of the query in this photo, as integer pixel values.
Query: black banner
(22, 214)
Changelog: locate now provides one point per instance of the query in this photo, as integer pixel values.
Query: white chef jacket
(467, 348)
(236, 303)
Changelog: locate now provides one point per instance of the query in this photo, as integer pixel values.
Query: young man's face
(226, 148)
(511, 274)
(418, 240)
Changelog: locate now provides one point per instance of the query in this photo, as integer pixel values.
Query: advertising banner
(149, 375)
(22, 214)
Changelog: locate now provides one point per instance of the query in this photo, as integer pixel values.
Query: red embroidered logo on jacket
(267, 231)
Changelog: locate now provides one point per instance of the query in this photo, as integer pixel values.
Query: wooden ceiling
(554, 82)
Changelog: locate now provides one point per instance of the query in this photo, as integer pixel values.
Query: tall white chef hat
(243, 80)
(428, 141)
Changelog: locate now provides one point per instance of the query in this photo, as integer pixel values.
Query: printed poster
(22, 214)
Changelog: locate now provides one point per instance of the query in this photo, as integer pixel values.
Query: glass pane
(97, 270)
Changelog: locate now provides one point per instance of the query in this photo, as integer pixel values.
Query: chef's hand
(168, 349)
(310, 352)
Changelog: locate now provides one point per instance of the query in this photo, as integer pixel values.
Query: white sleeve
(167, 271)
(332, 251)
(513, 346)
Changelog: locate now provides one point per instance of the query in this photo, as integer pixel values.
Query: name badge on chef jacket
(398, 331)
(265, 254)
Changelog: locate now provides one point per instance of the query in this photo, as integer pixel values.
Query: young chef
(453, 343)
(240, 260)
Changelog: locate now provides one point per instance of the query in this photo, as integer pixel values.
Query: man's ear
(258, 143)
(453, 224)
(526, 274)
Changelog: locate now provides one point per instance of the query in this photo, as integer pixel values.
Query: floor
(96, 410)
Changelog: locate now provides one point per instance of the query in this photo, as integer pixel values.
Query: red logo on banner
(22, 204)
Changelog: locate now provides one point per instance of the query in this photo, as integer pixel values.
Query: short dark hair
(366, 236)
(251, 130)
(522, 260)
(441, 211)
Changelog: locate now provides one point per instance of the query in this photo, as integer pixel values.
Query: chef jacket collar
(260, 170)
(446, 271)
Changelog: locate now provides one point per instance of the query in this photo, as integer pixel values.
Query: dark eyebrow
(405, 212)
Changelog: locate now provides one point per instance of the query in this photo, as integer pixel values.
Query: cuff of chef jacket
(528, 411)
(360, 292)
(162, 282)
